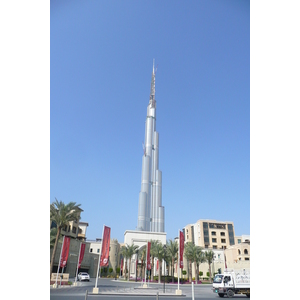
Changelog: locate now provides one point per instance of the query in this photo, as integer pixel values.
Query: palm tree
(198, 258)
(53, 233)
(209, 255)
(127, 252)
(142, 257)
(172, 251)
(159, 254)
(62, 214)
(124, 253)
(201, 259)
(188, 254)
(193, 254)
(153, 254)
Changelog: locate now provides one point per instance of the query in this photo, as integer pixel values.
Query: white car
(83, 276)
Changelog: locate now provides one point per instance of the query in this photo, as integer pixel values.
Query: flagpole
(178, 261)
(62, 273)
(99, 261)
(62, 245)
(78, 262)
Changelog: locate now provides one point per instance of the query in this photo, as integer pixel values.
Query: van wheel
(221, 295)
(230, 293)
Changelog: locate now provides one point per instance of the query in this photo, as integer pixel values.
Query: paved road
(114, 289)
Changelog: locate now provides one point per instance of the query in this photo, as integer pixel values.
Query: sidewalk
(139, 291)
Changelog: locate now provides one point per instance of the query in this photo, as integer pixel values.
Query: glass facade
(193, 239)
(205, 233)
(230, 234)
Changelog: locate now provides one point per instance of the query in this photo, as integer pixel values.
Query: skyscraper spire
(153, 65)
(152, 101)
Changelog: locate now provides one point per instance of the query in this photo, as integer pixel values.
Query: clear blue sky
(101, 55)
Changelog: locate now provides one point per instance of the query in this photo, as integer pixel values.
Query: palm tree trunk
(190, 271)
(159, 271)
(173, 270)
(195, 266)
(142, 267)
(54, 251)
(129, 268)
(152, 269)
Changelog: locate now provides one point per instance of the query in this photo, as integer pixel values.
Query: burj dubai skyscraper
(151, 213)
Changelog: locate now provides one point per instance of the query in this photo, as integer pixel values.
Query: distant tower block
(151, 213)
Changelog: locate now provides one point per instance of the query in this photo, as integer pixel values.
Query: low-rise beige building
(218, 236)
(82, 228)
(210, 234)
(238, 252)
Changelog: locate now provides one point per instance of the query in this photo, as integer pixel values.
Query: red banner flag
(105, 247)
(65, 251)
(181, 247)
(157, 265)
(81, 254)
(148, 256)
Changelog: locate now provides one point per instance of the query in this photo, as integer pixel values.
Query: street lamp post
(136, 263)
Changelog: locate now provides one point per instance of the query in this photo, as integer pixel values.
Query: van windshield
(218, 278)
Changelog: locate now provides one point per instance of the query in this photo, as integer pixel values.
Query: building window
(239, 241)
(223, 240)
(247, 258)
(213, 233)
(222, 233)
(214, 240)
(215, 247)
(245, 251)
(206, 246)
(91, 249)
(98, 250)
(74, 229)
(239, 251)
